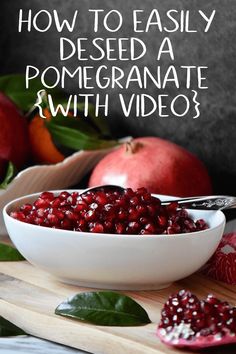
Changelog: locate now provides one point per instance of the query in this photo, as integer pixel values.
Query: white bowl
(109, 261)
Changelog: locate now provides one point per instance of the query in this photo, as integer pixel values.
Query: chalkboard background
(212, 136)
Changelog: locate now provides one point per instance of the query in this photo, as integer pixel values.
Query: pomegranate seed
(64, 195)
(122, 214)
(90, 215)
(66, 224)
(53, 219)
(134, 201)
(26, 208)
(42, 203)
(150, 228)
(47, 195)
(19, 215)
(132, 212)
(120, 228)
(88, 198)
(133, 227)
(71, 215)
(101, 198)
(97, 228)
(162, 220)
(55, 203)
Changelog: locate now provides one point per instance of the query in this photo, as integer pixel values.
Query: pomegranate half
(156, 164)
(187, 322)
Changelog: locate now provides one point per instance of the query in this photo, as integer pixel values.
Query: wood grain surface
(28, 298)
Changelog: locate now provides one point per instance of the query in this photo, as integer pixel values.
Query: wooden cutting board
(28, 297)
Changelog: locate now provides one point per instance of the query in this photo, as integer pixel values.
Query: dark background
(212, 136)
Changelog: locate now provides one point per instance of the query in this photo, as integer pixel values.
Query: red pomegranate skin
(222, 265)
(14, 141)
(156, 164)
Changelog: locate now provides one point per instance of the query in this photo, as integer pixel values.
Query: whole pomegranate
(14, 141)
(156, 164)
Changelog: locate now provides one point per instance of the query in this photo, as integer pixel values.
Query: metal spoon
(213, 202)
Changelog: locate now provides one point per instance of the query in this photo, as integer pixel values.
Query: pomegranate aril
(64, 195)
(141, 191)
(93, 206)
(144, 220)
(150, 228)
(41, 212)
(133, 214)
(137, 211)
(146, 197)
(42, 203)
(39, 220)
(101, 198)
(55, 203)
(128, 192)
(151, 210)
(162, 220)
(47, 195)
(66, 224)
(53, 219)
(122, 215)
(26, 208)
(108, 226)
(81, 205)
(71, 215)
(134, 201)
(120, 228)
(120, 202)
(90, 215)
(97, 228)
(172, 206)
(19, 215)
(88, 198)
(141, 209)
(133, 227)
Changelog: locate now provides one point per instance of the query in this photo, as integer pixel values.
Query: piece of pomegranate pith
(187, 322)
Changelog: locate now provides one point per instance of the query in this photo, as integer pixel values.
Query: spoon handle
(217, 202)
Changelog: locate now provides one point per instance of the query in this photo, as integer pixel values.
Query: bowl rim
(222, 221)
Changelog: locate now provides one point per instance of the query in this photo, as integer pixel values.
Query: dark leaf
(77, 123)
(8, 329)
(9, 253)
(66, 133)
(99, 122)
(10, 174)
(104, 308)
(14, 87)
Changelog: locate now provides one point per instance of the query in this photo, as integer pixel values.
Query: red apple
(14, 141)
(159, 165)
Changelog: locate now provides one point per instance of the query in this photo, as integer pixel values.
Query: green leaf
(100, 122)
(104, 308)
(14, 87)
(8, 329)
(9, 253)
(77, 123)
(10, 174)
(76, 137)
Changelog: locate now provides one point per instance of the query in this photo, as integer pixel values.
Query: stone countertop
(32, 345)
